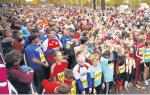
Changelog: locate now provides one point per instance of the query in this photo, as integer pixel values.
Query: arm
(89, 79)
(78, 81)
(49, 52)
(22, 77)
(31, 55)
(136, 53)
(63, 43)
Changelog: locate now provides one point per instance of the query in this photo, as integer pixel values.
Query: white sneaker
(146, 82)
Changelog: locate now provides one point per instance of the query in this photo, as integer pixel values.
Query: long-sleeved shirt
(82, 76)
(17, 73)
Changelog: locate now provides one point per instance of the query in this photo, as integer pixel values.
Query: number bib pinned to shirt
(98, 76)
(132, 62)
(73, 89)
(84, 83)
(42, 57)
(141, 51)
(122, 69)
(111, 65)
(61, 77)
(146, 56)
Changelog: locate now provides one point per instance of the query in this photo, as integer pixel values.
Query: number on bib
(61, 77)
(111, 66)
(122, 68)
(98, 75)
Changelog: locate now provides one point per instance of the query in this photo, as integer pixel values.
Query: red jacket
(50, 86)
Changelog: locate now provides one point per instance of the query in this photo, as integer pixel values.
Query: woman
(20, 77)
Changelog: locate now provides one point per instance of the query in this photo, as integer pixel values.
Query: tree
(103, 4)
(94, 4)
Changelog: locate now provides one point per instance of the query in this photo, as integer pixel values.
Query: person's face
(59, 56)
(131, 50)
(18, 62)
(131, 36)
(36, 41)
(51, 34)
(122, 52)
(8, 33)
(81, 59)
(66, 32)
(95, 61)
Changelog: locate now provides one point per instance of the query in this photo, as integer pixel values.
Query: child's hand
(90, 90)
(94, 91)
(83, 92)
(45, 65)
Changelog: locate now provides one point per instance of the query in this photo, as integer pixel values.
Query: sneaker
(146, 82)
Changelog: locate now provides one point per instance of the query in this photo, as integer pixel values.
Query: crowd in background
(76, 50)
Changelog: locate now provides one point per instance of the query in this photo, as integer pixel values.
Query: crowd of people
(76, 50)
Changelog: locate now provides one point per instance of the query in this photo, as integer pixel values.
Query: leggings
(108, 86)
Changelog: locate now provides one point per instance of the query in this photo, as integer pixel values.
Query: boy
(82, 74)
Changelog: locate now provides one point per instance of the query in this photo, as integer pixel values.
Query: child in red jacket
(54, 87)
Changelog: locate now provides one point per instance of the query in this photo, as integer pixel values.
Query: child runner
(58, 68)
(96, 73)
(54, 87)
(82, 75)
(107, 65)
(146, 56)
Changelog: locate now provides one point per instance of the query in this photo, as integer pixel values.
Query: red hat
(76, 36)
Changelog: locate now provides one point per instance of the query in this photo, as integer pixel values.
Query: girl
(20, 77)
(107, 65)
(130, 67)
(96, 73)
(58, 68)
(146, 57)
(139, 64)
(120, 68)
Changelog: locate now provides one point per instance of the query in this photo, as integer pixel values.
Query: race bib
(73, 89)
(98, 76)
(141, 51)
(146, 56)
(111, 65)
(42, 57)
(61, 77)
(132, 62)
(84, 83)
(122, 69)
(68, 44)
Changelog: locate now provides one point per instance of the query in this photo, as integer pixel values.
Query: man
(51, 43)
(36, 60)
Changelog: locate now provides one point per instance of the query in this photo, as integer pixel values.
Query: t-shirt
(146, 55)
(107, 68)
(48, 45)
(58, 71)
(81, 73)
(33, 51)
(96, 73)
